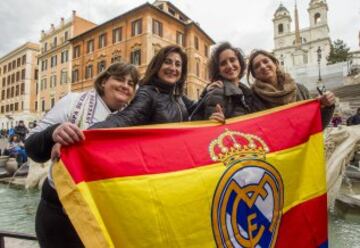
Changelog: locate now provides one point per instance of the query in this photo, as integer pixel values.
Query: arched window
(317, 18)
(280, 28)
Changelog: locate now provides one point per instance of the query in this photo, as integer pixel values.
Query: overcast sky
(246, 24)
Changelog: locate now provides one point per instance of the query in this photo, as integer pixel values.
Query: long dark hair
(157, 61)
(214, 62)
(280, 74)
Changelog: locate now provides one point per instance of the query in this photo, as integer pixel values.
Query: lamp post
(319, 60)
(320, 86)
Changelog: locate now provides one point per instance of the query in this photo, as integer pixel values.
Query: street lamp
(320, 87)
(319, 60)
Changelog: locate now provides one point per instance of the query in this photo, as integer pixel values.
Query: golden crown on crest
(233, 145)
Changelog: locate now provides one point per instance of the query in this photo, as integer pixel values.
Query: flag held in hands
(258, 181)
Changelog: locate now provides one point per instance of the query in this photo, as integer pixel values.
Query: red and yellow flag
(258, 181)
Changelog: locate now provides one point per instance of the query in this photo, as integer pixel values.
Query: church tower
(318, 12)
(282, 25)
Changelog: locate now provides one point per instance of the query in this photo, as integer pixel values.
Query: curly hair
(214, 61)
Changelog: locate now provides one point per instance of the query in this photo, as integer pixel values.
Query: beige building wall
(55, 61)
(18, 75)
(146, 43)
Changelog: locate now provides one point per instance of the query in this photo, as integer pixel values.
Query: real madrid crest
(248, 200)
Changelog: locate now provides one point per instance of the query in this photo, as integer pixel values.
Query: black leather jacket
(151, 105)
(235, 101)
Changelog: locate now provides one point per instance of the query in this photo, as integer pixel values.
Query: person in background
(62, 125)
(21, 130)
(15, 149)
(355, 119)
(275, 88)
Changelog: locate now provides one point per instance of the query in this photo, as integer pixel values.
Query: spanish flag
(257, 181)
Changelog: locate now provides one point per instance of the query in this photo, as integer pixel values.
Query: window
(12, 92)
(9, 66)
(52, 102)
(75, 75)
(36, 106)
(2, 109)
(198, 68)
(36, 88)
(317, 18)
(45, 47)
(16, 106)
(24, 59)
(180, 38)
(63, 77)
(3, 95)
(64, 56)
(102, 40)
(17, 90)
(7, 108)
(135, 57)
(90, 46)
(43, 84)
(43, 105)
(280, 28)
(196, 42)
(3, 82)
(44, 65)
(206, 51)
(89, 71)
(53, 61)
(14, 64)
(36, 74)
(55, 42)
(101, 66)
(22, 89)
(8, 93)
(52, 81)
(13, 78)
(172, 11)
(18, 62)
(66, 34)
(136, 27)
(23, 74)
(117, 35)
(4, 68)
(11, 107)
(76, 52)
(157, 28)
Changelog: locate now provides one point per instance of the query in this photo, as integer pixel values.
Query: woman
(160, 98)
(16, 149)
(275, 88)
(227, 65)
(113, 89)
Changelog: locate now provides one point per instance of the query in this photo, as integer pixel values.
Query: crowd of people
(115, 102)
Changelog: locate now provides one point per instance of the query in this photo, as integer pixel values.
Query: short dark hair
(214, 63)
(157, 61)
(279, 73)
(116, 70)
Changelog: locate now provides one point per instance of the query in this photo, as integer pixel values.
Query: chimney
(62, 21)
(74, 13)
(52, 27)
(42, 34)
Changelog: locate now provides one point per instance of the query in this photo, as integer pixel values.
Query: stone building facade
(18, 77)
(134, 37)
